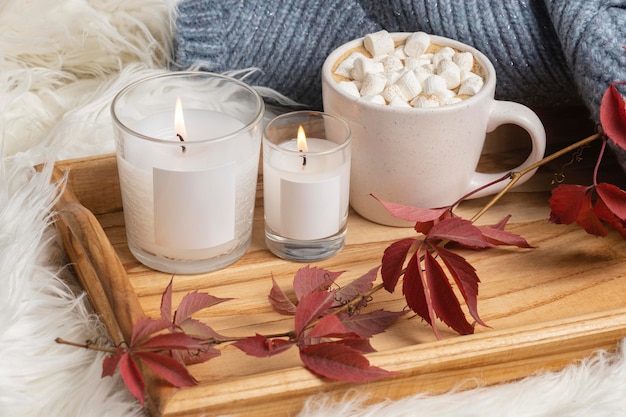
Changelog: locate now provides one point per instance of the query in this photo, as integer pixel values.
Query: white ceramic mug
(423, 157)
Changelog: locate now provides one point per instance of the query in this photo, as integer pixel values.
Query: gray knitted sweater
(546, 52)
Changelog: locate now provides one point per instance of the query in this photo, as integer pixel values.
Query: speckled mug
(423, 157)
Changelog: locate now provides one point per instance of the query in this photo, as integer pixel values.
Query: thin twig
(515, 176)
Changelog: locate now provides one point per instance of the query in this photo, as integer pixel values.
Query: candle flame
(179, 120)
(301, 140)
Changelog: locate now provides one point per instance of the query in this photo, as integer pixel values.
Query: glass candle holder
(306, 185)
(188, 148)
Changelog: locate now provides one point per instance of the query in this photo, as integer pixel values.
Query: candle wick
(180, 137)
(303, 158)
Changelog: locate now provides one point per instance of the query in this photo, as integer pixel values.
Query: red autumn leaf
(166, 302)
(309, 279)
(146, 326)
(414, 290)
(603, 212)
(368, 324)
(424, 219)
(572, 203)
(311, 307)
(497, 236)
(393, 261)
(340, 362)
(262, 347)
(357, 287)
(566, 202)
(328, 326)
(443, 300)
(193, 302)
(199, 330)
(168, 368)
(281, 303)
(110, 363)
(465, 277)
(458, 230)
(362, 345)
(614, 198)
(168, 341)
(132, 377)
(613, 115)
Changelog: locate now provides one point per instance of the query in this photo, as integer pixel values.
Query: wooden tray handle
(98, 267)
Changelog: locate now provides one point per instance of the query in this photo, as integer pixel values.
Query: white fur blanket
(61, 62)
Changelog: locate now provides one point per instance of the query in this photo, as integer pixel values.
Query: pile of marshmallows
(409, 75)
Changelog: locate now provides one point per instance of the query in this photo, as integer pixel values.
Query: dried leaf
(281, 303)
(262, 347)
(309, 279)
(340, 362)
(613, 115)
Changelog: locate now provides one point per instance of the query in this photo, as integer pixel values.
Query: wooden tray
(547, 306)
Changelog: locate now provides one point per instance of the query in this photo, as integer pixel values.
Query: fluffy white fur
(61, 62)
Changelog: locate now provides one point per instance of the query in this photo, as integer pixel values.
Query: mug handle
(507, 112)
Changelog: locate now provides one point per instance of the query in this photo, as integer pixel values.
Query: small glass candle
(188, 148)
(306, 185)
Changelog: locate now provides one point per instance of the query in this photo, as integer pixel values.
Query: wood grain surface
(547, 306)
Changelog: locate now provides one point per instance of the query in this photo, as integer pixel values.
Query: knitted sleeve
(593, 35)
(286, 41)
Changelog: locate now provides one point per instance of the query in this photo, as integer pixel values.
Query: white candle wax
(187, 205)
(306, 200)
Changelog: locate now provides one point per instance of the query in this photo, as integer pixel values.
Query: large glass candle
(306, 184)
(187, 150)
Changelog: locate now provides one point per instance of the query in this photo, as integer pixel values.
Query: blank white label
(309, 211)
(194, 210)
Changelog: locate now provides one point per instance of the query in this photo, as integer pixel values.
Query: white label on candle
(194, 209)
(310, 210)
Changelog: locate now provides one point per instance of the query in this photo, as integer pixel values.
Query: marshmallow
(392, 91)
(412, 62)
(444, 53)
(350, 87)
(345, 67)
(450, 72)
(409, 85)
(399, 102)
(364, 66)
(379, 43)
(427, 101)
(378, 99)
(399, 52)
(471, 86)
(373, 84)
(391, 63)
(464, 60)
(436, 84)
(416, 44)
